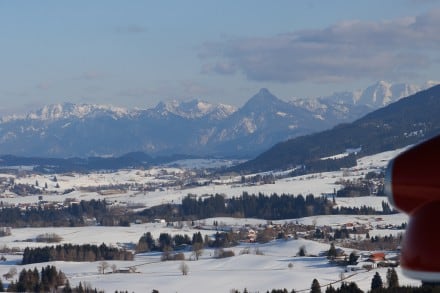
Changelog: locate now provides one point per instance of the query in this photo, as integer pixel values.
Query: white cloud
(345, 51)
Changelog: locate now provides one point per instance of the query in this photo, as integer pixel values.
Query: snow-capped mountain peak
(69, 110)
(191, 127)
(377, 95)
(195, 109)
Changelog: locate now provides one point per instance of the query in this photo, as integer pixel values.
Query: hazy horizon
(139, 53)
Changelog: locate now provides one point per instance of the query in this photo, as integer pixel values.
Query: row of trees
(166, 242)
(72, 215)
(377, 285)
(273, 207)
(70, 252)
(49, 279)
(33, 281)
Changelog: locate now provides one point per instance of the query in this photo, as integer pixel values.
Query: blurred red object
(412, 182)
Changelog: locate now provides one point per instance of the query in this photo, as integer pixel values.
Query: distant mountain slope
(404, 122)
(59, 165)
(192, 127)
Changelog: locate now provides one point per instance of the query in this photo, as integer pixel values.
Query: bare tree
(11, 273)
(103, 265)
(197, 250)
(166, 254)
(184, 268)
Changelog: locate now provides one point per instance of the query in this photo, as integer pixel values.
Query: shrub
(49, 238)
(302, 251)
(221, 253)
(245, 250)
(179, 256)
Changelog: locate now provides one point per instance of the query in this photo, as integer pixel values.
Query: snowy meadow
(258, 267)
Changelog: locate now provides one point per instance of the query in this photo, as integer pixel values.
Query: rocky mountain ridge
(190, 127)
(408, 121)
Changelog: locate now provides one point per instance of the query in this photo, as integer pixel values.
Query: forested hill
(407, 121)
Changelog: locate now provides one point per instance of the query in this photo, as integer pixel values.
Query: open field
(276, 265)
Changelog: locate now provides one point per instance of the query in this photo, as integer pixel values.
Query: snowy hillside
(256, 267)
(269, 269)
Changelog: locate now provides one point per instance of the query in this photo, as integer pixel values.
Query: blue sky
(137, 53)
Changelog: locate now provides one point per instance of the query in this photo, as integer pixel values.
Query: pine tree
(331, 254)
(352, 259)
(392, 278)
(302, 251)
(353, 288)
(80, 288)
(35, 283)
(316, 287)
(67, 288)
(330, 289)
(348, 288)
(12, 287)
(376, 282)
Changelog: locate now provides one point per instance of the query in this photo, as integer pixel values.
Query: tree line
(33, 281)
(72, 215)
(273, 207)
(377, 286)
(270, 207)
(70, 252)
(165, 242)
(49, 279)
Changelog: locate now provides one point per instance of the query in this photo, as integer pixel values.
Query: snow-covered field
(257, 273)
(251, 271)
(316, 184)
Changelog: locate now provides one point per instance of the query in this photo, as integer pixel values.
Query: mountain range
(191, 127)
(405, 122)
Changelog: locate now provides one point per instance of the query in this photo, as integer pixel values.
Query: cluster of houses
(366, 260)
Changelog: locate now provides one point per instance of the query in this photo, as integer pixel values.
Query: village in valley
(342, 235)
(219, 146)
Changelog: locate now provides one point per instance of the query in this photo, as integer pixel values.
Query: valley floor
(276, 265)
(257, 272)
